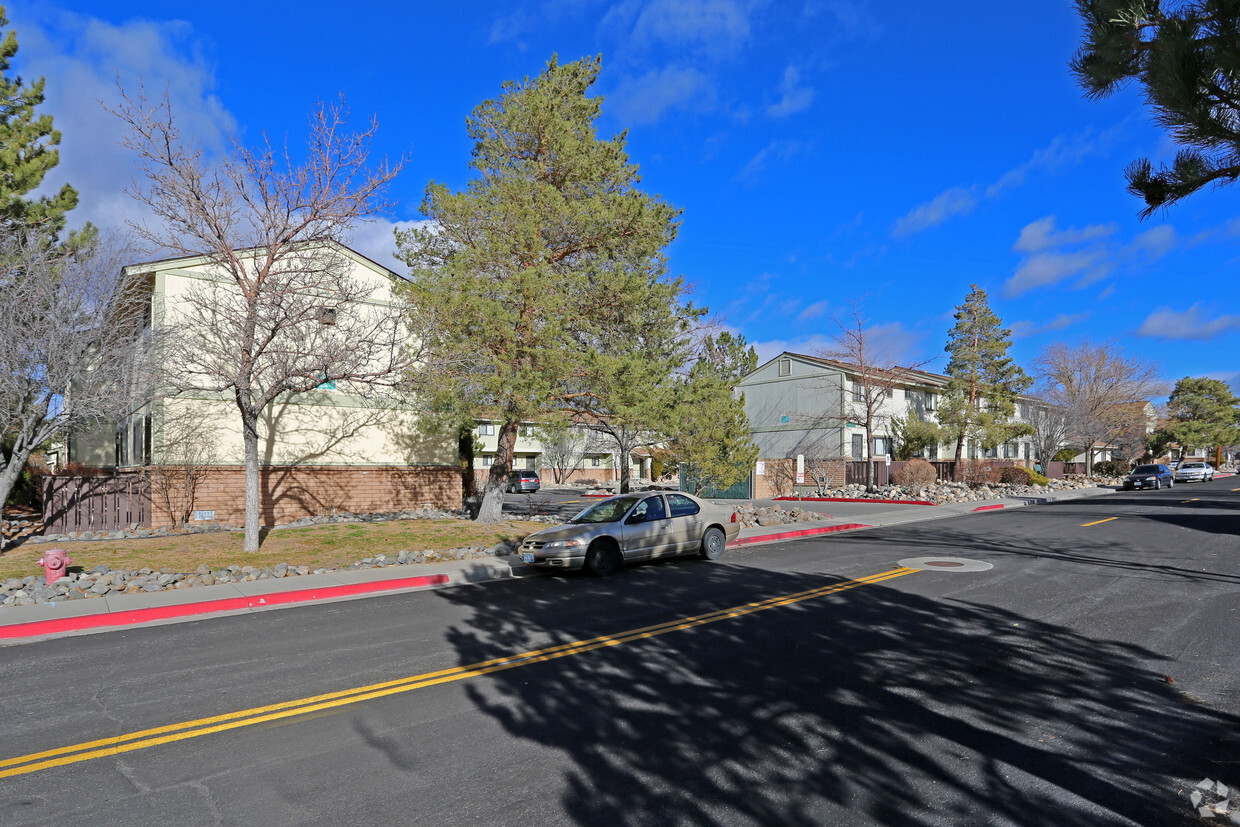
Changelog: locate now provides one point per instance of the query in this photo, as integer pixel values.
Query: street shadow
(872, 705)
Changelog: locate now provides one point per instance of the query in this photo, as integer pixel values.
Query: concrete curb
(852, 500)
(789, 535)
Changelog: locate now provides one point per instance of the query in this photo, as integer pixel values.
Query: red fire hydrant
(54, 562)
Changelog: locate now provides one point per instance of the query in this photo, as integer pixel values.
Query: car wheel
(602, 559)
(713, 543)
(1157, 484)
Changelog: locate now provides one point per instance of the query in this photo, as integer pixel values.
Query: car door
(646, 530)
(686, 523)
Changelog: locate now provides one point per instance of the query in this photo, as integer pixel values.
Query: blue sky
(892, 153)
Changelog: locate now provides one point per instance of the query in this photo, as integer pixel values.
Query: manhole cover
(944, 564)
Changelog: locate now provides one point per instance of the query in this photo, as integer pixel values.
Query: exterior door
(858, 446)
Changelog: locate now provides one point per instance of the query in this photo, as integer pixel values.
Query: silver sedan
(632, 527)
(1189, 471)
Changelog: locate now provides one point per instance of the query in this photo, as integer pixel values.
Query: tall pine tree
(28, 144)
(983, 381)
(511, 270)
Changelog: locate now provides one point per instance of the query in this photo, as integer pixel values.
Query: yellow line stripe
(1193, 500)
(143, 739)
(1099, 522)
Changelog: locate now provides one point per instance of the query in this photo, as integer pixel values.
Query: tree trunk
(869, 459)
(492, 508)
(8, 478)
(623, 452)
(465, 450)
(249, 435)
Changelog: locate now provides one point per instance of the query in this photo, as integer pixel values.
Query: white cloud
(952, 202)
(813, 311)
(1041, 235)
(1190, 324)
(810, 346)
(82, 59)
(778, 149)
(1152, 244)
(1063, 320)
(1061, 153)
(643, 100)
(377, 241)
(793, 96)
(718, 28)
(1045, 269)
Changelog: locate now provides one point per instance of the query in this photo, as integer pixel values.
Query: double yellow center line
(143, 739)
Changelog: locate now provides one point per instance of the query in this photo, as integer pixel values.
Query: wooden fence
(96, 503)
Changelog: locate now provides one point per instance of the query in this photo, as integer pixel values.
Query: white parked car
(1194, 471)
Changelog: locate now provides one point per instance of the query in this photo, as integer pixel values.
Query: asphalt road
(1089, 677)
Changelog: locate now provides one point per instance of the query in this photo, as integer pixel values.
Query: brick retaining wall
(292, 492)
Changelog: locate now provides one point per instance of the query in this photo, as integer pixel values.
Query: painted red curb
(124, 618)
(852, 500)
(788, 535)
(988, 507)
(598, 495)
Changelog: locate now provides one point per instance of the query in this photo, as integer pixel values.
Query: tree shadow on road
(873, 704)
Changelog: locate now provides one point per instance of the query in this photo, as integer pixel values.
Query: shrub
(1064, 455)
(1037, 479)
(1111, 468)
(981, 473)
(916, 473)
(1015, 475)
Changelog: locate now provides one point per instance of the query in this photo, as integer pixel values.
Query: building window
(891, 393)
(595, 462)
(929, 401)
(858, 392)
(785, 367)
(486, 429)
(880, 446)
(488, 460)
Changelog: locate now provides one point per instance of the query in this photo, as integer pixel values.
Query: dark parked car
(633, 527)
(523, 482)
(1149, 476)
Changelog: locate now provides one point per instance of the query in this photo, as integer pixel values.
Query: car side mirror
(636, 518)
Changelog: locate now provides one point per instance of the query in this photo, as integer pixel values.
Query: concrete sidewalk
(22, 624)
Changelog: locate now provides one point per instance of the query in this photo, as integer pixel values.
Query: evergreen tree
(980, 398)
(513, 268)
(1202, 413)
(712, 438)
(27, 151)
(630, 357)
(1187, 61)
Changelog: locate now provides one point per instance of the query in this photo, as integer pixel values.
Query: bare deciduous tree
(187, 449)
(565, 446)
(72, 349)
(285, 314)
(1093, 384)
(874, 376)
(1050, 430)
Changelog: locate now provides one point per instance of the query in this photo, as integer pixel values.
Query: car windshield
(1145, 469)
(608, 511)
(1193, 465)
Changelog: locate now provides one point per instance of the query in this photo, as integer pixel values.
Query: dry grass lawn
(325, 546)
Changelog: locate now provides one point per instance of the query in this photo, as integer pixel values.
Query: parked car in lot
(1194, 471)
(1149, 476)
(630, 527)
(523, 482)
